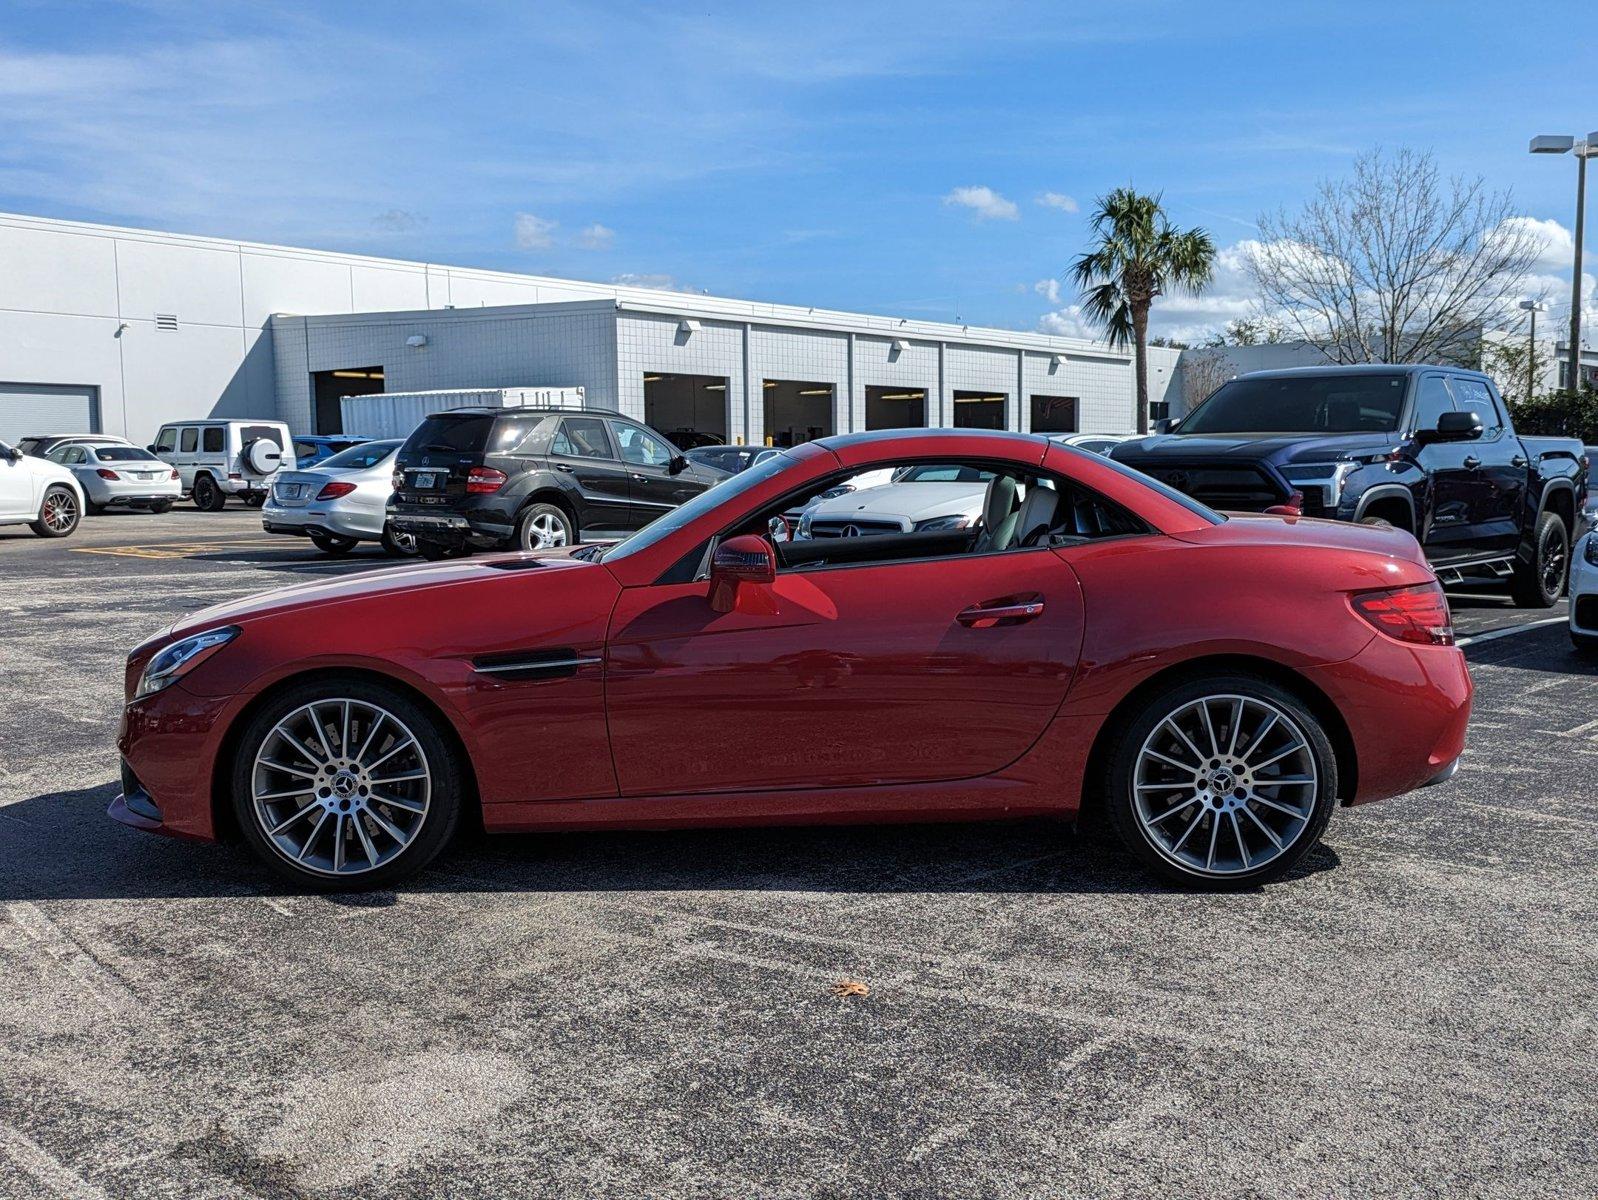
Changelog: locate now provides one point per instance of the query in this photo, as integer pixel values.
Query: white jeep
(216, 459)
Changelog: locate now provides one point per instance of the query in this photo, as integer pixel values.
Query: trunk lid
(435, 461)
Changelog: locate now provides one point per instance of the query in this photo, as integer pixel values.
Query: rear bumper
(319, 518)
(1406, 709)
(451, 528)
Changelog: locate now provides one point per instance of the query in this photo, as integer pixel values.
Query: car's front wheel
(344, 784)
(1221, 782)
(59, 513)
(1540, 582)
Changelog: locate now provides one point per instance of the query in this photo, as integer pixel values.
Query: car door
(75, 459)
(581, 450)
(655, 487)
(1448, 531)
(857, 675)
(1497, 463)
(188, 451)
(16, 486)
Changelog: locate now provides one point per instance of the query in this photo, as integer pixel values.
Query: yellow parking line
(178, 549)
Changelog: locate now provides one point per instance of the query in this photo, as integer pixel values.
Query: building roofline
(623, 297)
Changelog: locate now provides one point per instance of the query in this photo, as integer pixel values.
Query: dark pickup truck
(1428, 449)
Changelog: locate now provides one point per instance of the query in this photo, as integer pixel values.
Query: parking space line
(46, 1170)
(1495, 634)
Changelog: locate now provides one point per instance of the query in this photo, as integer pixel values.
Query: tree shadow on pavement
(63, 846)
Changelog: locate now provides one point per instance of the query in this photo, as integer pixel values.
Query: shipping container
(395, 414)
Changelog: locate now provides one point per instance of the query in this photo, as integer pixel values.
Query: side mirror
(1163, 425)
(779, 529)
(151, 449)
(677, 465)
(10, 453)
(746, 559)
(1451, 427)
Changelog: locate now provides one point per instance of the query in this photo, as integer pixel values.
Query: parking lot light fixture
(1560, 144)
(1533, 307)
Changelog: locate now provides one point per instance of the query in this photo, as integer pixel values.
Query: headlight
(1328, 477)
(181, 657)
(1591, 552)
(804, 526)
(959, 521)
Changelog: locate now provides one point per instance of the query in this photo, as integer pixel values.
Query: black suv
(531, 478)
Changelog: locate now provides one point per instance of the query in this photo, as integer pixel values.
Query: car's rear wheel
(543, 527)
(345, 784)
(438, 551)
(208, 497)
(332, 544)
(1540, 582)
(1221, 782)
(59, 513)
(398, 545)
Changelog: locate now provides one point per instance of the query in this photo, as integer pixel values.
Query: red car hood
(374, 583)
(1259, 529)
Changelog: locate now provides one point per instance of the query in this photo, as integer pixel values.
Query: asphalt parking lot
(1411, 1013)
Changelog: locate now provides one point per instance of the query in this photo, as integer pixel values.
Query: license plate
(425, 479)
(288, 491)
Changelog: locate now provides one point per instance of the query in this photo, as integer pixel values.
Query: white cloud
(986, 203)
(597, 237)
(1049, 289)
(1069, 322)
(1058, 200)
(534, 233)
(658, 281)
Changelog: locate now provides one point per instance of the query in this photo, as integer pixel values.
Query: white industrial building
(119, 330)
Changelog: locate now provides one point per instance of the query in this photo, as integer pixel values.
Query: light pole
(1533, 307)
(1559, 144)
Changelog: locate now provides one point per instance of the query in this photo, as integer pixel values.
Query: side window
(304, 450)
(77, 456)
(59, 454)
(215, 439)
(581, 437)
(191, 440)
(640, 448)
(1471, 395)
(168, 441)
(1432, 400)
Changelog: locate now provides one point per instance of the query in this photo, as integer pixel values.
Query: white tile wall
(647, 343)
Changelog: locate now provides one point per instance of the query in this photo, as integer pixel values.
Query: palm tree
(1138, 257)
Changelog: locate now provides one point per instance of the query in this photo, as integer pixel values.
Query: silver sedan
(121, 475)
(340, 502)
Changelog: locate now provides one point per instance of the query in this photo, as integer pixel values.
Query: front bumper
(1583, 591)
(169, 744)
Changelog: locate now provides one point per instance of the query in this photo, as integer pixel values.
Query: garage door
(31, 408)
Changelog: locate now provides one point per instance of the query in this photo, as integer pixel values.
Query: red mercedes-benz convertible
(1088, 637)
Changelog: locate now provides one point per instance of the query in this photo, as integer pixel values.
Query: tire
(1379, 522)
(59, 513)
(543, 526)
(439, 551)
(338, 547)
(208, 497)
(400, 836)
(93, 509)
(254, 499)
(161, 506)
(1225, 844)
(398, 545)
(1540, 583)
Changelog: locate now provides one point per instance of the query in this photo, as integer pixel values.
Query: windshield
(942, 473)
(1301, 404)
(122, 454)
(713, 497)
(358, 458)
(727, 458)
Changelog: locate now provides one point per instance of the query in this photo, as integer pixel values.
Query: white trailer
(395, 414)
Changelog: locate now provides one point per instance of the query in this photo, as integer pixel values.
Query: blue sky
(929, 160)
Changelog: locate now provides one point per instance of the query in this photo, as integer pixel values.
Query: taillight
(483, 480)
(103, 473)
(332, 491)
(398, 481)
(174, 473)
(1416, 614)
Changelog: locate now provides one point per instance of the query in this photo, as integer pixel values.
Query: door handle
(1518, 461)
(984, 616)
(1472, 462)
(563, 467)
(637, 478)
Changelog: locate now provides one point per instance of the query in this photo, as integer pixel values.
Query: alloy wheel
(1225, 785)
(60, 511)
(1553, 560)
(340, 787)
(543, 531)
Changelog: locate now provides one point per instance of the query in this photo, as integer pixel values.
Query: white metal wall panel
(34, 408)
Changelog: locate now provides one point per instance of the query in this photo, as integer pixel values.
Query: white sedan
(1584, 594)
(935, 496)
(128, 476)
(339, 503)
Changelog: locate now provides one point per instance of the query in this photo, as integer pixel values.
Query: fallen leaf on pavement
(850, 987)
